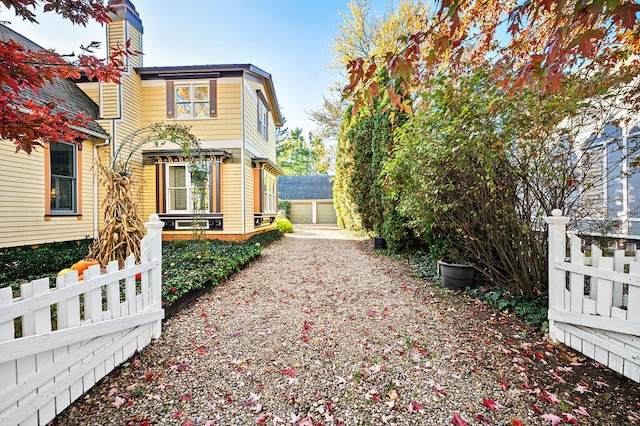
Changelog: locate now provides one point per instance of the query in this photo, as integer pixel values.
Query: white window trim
(189, 188)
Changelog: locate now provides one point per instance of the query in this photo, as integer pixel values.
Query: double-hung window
(269, 194)
(182, 183)
(63, 160)
(192, 100)
(263, 116)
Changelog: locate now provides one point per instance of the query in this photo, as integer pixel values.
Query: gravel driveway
(322, 330)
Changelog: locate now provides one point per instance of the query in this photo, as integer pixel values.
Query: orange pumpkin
(83, 265)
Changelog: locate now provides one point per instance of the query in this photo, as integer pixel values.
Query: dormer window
(192, 101)
(186, 100)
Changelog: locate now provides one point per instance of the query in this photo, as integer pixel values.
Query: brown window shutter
(257, 190)
(170, 100)
(213, 98)
(160, 188)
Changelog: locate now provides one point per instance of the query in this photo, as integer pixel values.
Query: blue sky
(290, 39)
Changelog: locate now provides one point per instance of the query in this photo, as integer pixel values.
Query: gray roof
(318, 187)
(75, 100)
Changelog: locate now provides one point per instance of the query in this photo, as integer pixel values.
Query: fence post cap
(554, 212)
(154, 222)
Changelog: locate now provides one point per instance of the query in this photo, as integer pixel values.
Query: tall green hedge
(361, 194)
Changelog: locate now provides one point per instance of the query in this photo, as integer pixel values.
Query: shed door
(300, 212)
(327, 213)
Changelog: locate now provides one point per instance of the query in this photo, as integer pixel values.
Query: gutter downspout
(243, 162)
(95, 185)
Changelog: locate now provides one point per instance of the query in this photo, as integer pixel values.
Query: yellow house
(51, 195)
(54, 194)
(231, 109)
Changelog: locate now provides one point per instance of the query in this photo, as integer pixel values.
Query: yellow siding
(249, 194)
(110, 101)
(226, 126)
(135, 37)
(148, 186)
(255, 139)
(231, 197)
(92, 90)
(22, 200)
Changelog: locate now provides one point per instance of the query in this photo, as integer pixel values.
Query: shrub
(284, 225)
(29, 263)
(285, 206)
(178, 243)
(532, 311)
(188, 268)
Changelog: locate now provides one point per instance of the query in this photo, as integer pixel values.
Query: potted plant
(455, 272)
(456, 275)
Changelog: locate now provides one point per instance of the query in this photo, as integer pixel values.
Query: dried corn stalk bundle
(123, 228)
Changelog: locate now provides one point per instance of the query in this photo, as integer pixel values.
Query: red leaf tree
(28, 123)
(533, 43)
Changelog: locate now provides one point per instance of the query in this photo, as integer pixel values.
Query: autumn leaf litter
(321, 330)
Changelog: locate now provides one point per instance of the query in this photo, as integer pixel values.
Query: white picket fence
(99, 323)
(594, 301)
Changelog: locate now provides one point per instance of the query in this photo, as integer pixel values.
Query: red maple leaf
(491, 404)
(549, 397)
(290, 371)
(458, 421)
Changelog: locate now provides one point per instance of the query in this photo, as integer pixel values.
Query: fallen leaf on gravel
(185, 397)
(188, 423)
(131, 387)
(569, 418)
(549, 397)
(515, 422)
(118, 402)
(491, 404)
(209, 423)
(306, 422)
(582, 410)
(294, 418)
(177, 414)
(458, 421)
(555, 420)
(112, 392)
(482, 419)
(290, 371)
(416, 407)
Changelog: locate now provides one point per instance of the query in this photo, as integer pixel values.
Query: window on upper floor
(63, 161)
(186, 100)
(192, 101)
(263, 116)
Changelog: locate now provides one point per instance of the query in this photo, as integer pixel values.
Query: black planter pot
(379, 243)
(456, 276)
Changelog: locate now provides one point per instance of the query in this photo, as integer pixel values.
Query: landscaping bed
(187, 265)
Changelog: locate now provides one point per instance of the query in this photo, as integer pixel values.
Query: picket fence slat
(576, 280)
(7, 332)
(47, 392)
(96, 328)
(22, 305)
(597, 273)
(605, 323)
